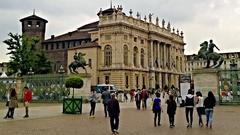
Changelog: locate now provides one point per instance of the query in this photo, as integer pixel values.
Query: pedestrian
(114, 111)
(92, 100)
(138, 99)
(7, 104)
(209, 103)
(125, 95)
(13, 102)
(105, 98)
(171, 110)
(27, 98)
(156, 108)
(200, 108)
(144, 96)
(189, 104)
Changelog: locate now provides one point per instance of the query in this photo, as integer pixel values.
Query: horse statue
(205, 54)
(79, 61)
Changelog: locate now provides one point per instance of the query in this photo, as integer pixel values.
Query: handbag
(7, 103)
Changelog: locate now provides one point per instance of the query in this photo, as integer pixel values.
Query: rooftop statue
(79, 61)
(206, 52)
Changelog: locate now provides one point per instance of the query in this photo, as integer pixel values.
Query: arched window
(125, 55)
(142, 57)
(135, 56)
(108, 55)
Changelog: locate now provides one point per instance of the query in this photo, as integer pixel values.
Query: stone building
(123, 50)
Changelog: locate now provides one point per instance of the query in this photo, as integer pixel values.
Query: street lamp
(30, 73)
(61, 71)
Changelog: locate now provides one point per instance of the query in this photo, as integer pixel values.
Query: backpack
(156, 104)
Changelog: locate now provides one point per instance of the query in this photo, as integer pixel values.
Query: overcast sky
(199, 19)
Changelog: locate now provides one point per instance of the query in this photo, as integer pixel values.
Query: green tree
(23, 55)
(74, 82)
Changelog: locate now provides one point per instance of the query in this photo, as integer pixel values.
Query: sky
(199, 20)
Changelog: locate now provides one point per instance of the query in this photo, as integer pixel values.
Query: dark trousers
(8, 113)
(93, 105)
(171, 119)
(11, 112)
(144, 104)
(157, 115)
(114, 121)
(105, 109)
(189, 113)
(138, 104)
(200, 122)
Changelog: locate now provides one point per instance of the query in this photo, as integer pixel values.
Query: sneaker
(116, 132)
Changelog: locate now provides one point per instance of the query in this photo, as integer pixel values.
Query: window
(125, 37)
(106, 79)
(107, 55)
(137, 84)
(57, 46)
(38, 24)
(125, 55)
(29, 23)
(135, 56)
(142, 41)
(143, 81)
(46, 47)
(135, 39)
(52, 46)
(126, 81)
(63, 45)
(142, 57)
(90, 63)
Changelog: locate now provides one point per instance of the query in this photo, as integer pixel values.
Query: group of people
(203, 107)
(12, 102)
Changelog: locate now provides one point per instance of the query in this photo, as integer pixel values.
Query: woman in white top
(200, 108)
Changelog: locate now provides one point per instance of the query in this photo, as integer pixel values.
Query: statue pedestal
(206, 80)
(85, 90)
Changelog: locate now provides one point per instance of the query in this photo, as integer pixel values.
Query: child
(157, 109)
(171, 110)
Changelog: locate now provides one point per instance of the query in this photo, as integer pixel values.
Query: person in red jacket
(27, 97)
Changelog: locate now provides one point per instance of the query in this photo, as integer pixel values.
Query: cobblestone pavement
(50, 121)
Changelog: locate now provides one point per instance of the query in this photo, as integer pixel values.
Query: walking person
(105, 97)
(200, 108)
(171, 110)
(144, 96)
(27, 98)
(209, 103)
(7, 104)
(13, 102)
(189, 104)
(92, 100)
(138, 99)
(114, 111)
(157, 109)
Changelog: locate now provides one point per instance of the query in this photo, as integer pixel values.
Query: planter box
(72, 105)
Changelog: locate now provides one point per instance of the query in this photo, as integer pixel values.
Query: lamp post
(61, 71)
(30, 73)
(234, 77)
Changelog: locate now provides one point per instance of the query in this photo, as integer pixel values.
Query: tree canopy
(24, 55)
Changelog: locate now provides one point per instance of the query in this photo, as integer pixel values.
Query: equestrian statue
(79, 61)
(206, 52)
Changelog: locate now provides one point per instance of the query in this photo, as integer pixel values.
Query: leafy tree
(23, 55)
(73, 82)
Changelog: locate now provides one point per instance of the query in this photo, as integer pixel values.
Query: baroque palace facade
(128, 52)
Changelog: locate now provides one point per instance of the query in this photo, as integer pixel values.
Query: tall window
(108, 55)
(142, 57)
(126, 82)
(135, 56)
(107, 79)
(125, 55)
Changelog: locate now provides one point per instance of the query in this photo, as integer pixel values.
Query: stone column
(159, 54)
(164, 55)
(160, 80)
(151, 54)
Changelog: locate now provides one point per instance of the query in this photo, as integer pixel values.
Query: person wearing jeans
(209, 103)
(199, 106)
(189, 104)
